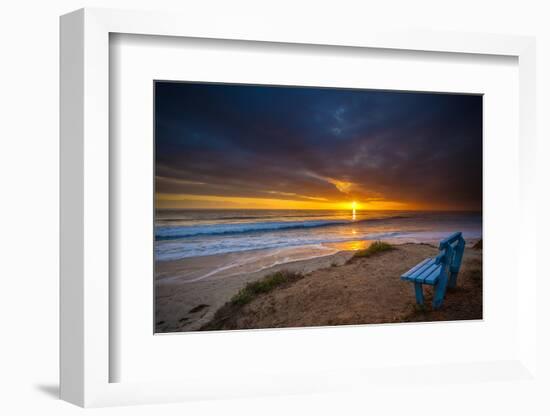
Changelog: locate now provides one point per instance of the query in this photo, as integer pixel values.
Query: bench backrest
(452, 250)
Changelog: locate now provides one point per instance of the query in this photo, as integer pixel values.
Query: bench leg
(455, 265)
(440, 289)
(419, 293)
(452, 280)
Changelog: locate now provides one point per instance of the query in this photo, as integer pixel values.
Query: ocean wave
(173, 233)
(175, 250)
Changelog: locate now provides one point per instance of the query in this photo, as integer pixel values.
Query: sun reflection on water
(352, 245)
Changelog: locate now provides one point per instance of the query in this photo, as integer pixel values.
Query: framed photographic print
(333, 200)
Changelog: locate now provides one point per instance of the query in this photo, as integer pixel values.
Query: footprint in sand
(199, 308)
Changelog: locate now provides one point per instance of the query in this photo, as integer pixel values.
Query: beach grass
(248, 293)
(374, 248)
(265, 285)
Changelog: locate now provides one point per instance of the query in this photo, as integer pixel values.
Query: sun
(353, 206)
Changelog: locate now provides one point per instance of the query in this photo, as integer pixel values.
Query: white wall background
(29, 185)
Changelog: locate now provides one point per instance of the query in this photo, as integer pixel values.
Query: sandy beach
(187, 297)
(335, 290)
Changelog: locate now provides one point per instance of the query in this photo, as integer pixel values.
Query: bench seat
(440, 271)
(426, 272)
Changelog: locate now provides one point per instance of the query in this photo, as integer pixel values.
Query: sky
(235, 146)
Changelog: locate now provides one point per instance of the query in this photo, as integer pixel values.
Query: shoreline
(197, 268)
(186, 299)
(218, 266)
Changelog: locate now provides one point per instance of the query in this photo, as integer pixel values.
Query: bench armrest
(439, 258)
(450, 240)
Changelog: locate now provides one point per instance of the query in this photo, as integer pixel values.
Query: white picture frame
(85, 211)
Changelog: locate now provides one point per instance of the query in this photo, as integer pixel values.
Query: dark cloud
(257, 141)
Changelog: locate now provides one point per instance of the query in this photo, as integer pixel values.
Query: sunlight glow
(194, 201)
(342, 186)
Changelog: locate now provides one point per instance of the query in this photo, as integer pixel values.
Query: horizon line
(312, 209)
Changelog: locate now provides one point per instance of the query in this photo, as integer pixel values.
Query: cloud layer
(413, 150)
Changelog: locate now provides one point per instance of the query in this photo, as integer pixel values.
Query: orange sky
(190, 201)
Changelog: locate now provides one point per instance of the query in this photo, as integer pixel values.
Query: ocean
(181, 234)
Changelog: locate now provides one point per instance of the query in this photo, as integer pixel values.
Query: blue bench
(440, 271)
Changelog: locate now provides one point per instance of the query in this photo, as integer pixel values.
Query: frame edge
(71, 219)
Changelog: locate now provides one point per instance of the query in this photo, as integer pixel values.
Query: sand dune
(364, 291)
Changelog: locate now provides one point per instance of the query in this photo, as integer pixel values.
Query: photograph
(303, 206)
